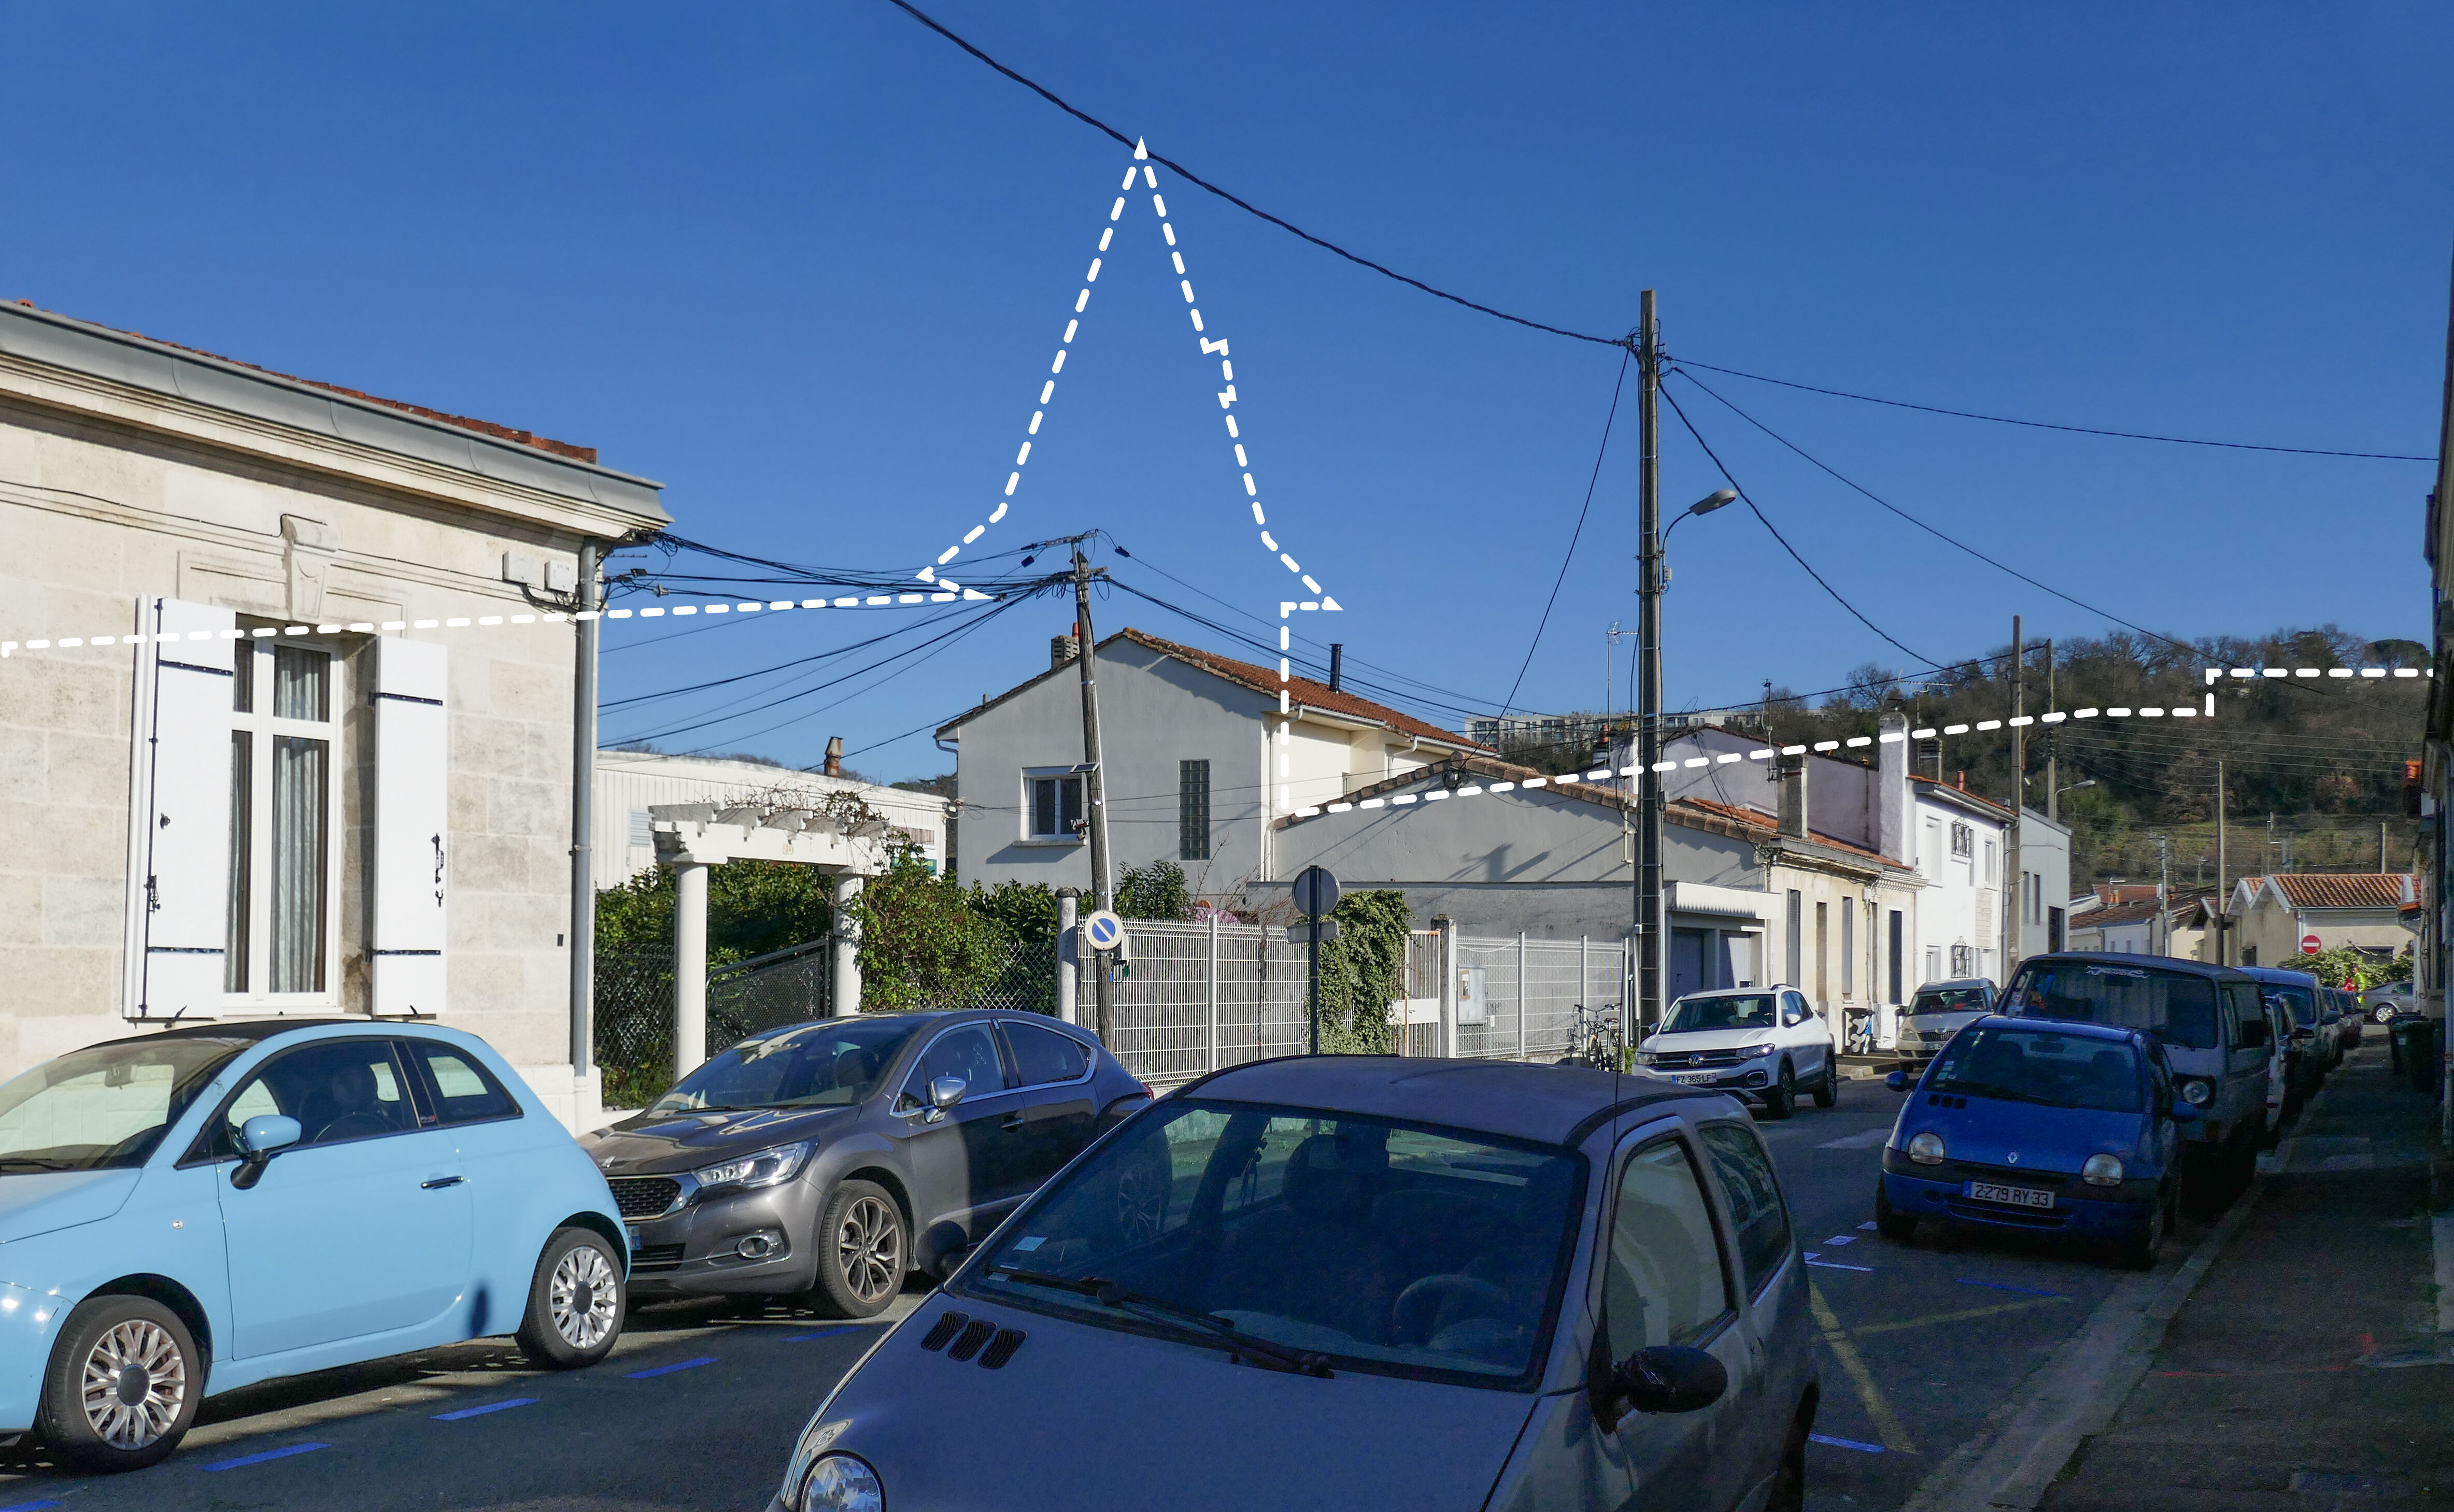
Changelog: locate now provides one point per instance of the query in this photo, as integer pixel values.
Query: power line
(1577, 535)
(1199, 182)
(2049, 425)
(1921, 659)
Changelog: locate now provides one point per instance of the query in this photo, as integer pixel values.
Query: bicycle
(1594, 1039)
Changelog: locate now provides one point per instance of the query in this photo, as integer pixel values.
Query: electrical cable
(1921, 659)
(1199, 182)
(2049, 425)
(1575, 535)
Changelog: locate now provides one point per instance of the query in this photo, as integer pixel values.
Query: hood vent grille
(967, 1334)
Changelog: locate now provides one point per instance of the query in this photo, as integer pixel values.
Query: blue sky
(808, 265)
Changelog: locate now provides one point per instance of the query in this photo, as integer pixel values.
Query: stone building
(287, 701)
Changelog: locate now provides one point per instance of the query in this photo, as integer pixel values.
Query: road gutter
(2074, 1395)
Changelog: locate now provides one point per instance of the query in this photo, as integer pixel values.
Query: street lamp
(2074, 787)
(1706, 505)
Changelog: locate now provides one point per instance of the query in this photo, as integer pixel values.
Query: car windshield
(1727, 1011)
(1950, 1000)
(2176, 1008)
(819, 1066)
(1383, 1247)
(2038, 1065)
(2298, 1001)
(104, 1107)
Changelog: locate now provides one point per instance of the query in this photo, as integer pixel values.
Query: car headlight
(765, 1168)
(840, 1483)
(2101, 1170)
(1645, 1057)
(2197, 1092)
(1753, 1051)
(1926, 1149)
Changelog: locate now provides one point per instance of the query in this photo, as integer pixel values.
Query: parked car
(2212, 1024)
(836, 1157)
(2282, 1072)
(1759, 1043)
(2312, 1046)
(2036, 1127)
(1371, 1282)
(2382, 1003)
(2348, 1008)
(200, 1209)
(1941, 1009)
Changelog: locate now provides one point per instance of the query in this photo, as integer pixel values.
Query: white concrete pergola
(692, 836)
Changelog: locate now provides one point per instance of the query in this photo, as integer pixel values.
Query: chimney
(1061, 650)
(1337, 663)
(835, 756)
(1963, 782)
(1791, 774)
(1894, 809)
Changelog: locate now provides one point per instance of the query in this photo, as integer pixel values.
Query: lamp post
(1651, 942)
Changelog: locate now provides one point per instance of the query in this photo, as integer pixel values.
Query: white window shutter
(182, 872)
(412, 838)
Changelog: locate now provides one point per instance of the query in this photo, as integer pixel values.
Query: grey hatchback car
(834, 1158)
(1368, 1281)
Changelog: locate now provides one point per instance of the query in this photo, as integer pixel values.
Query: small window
(1989, 861)
(1043, 1055)
(967, 1052)
(642, 836)
(1193, 811)
(1055, 806)
(1665, 1284)
(464, 1091)
(1753, 1197)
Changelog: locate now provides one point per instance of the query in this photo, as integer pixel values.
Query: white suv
(1760, 1043)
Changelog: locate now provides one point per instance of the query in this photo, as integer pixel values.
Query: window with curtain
(282, 823)
(1054, 806)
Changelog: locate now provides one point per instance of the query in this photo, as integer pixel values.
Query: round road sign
(1316, 892)
(2309, 944)
(1104, 930)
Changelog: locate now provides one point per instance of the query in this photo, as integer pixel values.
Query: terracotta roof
(2341, 889)
(503, 433)
(2125, 913)
(1964, 796)
(1768, 828)
(1300, 690)
(2114, 895)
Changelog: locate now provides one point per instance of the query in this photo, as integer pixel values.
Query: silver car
(1940, 1010)
(1359, 1283)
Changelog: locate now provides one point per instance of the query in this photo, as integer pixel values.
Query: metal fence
(1530, 991)
(1202, 995)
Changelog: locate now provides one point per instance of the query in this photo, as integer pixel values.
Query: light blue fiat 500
(208, 1207)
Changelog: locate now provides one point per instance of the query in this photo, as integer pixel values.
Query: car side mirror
(1898, 1081)
(1670, 1378)
(259, 1139)
(943, 1093)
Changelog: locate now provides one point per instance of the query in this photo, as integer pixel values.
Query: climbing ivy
(1362, 972)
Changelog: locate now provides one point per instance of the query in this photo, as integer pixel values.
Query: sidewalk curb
(2076, 1392)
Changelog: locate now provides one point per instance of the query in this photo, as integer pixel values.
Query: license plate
(2010, 1196)
(1694, 1079)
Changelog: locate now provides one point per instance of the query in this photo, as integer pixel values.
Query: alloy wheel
(581, 1296)
(136, 1384)
(869, 1249)
(1141, 1203)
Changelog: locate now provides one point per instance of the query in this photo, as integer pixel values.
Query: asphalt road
(699, 1404)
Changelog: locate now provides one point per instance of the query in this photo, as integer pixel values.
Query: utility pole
(1649, 805)
(2017, 891)
(2053, 746)
(2164, 894)
(1094, 780)
(2222, 918)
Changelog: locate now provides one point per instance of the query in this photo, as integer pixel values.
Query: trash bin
(2415, 1048)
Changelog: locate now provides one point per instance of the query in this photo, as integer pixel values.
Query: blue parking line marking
(269, 1454)
(794, 1339)
(667, 1370)
(30, 1506)
(1836, 1265)
(1845, 1444)
(2006, 1286)
(479, 1412)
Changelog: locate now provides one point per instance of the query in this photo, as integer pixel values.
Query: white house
(1194, 769)
(287, 702)
(2280, 913)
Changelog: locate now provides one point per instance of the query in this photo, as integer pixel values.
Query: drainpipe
(583, 792)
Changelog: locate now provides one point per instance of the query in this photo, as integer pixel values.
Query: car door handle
(1013, 1121)
(434, 1181)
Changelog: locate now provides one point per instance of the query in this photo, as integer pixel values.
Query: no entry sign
(2308, 944)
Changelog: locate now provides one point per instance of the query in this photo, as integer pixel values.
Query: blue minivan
(212, 1206)
(2040, 1127)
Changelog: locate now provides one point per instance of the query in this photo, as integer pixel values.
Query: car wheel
(861, 1251)
(1781, 1098)
(1890, 1222)
(1827, 1091)
(1143, 1188)
(123, 1385)
(575, 1301)
(2142, 1252)
(1789, 1482)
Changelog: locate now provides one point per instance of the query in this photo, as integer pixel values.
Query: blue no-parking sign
(1103, 930)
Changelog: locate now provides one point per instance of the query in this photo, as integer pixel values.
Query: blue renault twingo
(2043, 1127)
(208, 1207)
